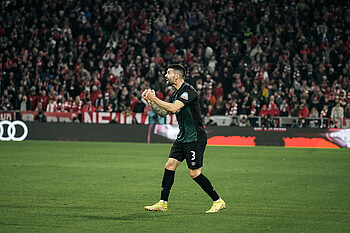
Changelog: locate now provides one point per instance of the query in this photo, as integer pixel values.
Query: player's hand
(144, 94)
(150, 95)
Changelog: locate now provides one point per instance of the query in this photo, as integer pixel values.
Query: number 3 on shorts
(193, 155)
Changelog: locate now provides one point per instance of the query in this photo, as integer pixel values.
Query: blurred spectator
(218, 91)
(275, 111)
(284, 112)
(243, 121)
(207, 107)
(40, 117)
(212, 65)
(63, 105)
(254, 109)
(25, 104)
(264, 111)
(285, 105)
(347, 111)
(304, 111)
(39, 107)
(94, 93)
(325, 113)
(139, 106)
(295, 111)
(88, 107)
(219, 106)
(99, 103)
(77, 105)
(43, 99)
(268, 122)
(337, 114)
(314, 113)
(52, 105)
(6, 105)
(32, 97)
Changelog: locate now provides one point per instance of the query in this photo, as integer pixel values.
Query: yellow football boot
(217, 206)
(159, 206)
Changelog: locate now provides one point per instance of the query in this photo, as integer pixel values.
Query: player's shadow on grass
(128, 217)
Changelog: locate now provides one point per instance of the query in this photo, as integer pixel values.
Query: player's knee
(194, 173)
(170, 166)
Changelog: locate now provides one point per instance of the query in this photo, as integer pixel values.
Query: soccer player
(191, 140)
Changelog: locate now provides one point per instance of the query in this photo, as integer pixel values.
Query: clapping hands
(148, 94)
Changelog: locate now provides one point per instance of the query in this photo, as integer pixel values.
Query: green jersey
(189, 116)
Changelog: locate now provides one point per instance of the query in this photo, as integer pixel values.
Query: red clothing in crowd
(218, 91)
(51, 107)
(87, 108)
(93, 96)
(275, 111)
(264, 111)
(159, 60)
(324, 113)
(253, 111)
(160, 95)
(44, 100)
(32, 99)
(172, 49)
(133, 101)
(66, 106)
(303, 113)
(77, 106)
(271, 105)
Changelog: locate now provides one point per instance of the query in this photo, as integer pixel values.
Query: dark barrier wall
(288, 137)
(87, 132)
(217, 135)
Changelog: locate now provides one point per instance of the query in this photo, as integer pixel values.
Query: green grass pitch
(48, 186)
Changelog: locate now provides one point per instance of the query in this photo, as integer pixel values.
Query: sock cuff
(169, 171)
(198, 177)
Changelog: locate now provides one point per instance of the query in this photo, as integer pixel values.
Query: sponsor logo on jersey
(184, 96)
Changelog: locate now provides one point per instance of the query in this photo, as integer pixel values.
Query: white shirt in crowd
(51, 107)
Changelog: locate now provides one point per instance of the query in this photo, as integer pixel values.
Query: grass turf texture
(51, 186)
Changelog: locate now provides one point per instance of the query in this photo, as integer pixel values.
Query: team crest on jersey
(184, 96)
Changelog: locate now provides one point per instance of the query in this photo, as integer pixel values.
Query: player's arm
(168, 107)
(158, 110)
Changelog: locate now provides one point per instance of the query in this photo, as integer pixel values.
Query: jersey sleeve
(187, 96)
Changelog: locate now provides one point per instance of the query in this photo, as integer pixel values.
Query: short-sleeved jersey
(189, 116)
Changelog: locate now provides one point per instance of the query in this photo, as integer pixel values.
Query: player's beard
(168, 82)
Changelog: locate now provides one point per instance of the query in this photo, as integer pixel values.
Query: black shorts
(193, 153)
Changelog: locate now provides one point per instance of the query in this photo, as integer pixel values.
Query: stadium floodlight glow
(11, 130)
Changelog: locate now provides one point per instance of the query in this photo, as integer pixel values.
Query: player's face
(170, 77)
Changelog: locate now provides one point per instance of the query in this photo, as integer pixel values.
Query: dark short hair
(180, 68)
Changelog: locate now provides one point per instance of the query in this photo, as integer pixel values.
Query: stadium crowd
(251, 57)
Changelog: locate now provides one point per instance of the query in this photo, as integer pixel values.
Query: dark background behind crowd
(254, 58)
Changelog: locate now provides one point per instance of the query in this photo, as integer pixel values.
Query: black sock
(203, 181)
(168, 181)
